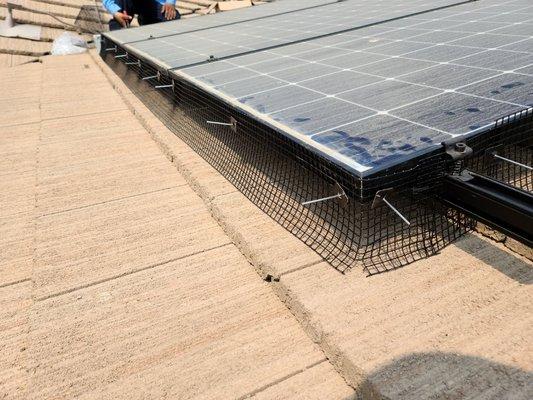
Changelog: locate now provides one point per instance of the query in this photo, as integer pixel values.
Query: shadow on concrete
(504, 261)
(438, 375)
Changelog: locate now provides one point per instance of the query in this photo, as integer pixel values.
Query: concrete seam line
(22, 123)
(4, 285)
(352, 374)
(127, 273)
(240, 242)
(14, 215)
(218, 196)
(82, 115)
(282, 379)
(16, 173)
(301, 267)
(108, 201)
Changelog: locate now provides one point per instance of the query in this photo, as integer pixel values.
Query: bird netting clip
(138, 62)
(340, 196)
(232, 123)
(165, 86)
(158, 76)
(494, 153)
(380, 198)
(457, 149)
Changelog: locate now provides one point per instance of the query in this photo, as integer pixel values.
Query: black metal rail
(496, 204)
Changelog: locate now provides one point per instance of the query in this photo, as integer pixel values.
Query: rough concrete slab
(17, 193)
(65, 188)
(91, 244)
(77, 69)
(456, 325)
(68, 108)
(18, 145)
(65, 89)
(140, 295)
(14, 305)
(65, 82)
(321, 382)
(70, 88)
(93, 127)
(133, 145)
(16, 110)
(204, 179)
(166, 140)
(23, 82)
(16, 248)
(202, 327)
(273, 249)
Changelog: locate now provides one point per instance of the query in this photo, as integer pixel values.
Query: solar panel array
(187, 48)
(212, 20)
(374, 97)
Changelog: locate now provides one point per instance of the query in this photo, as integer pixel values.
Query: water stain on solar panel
(354, 139)
(387, 145)
(363, 150)
(512, 85)
(246, 99)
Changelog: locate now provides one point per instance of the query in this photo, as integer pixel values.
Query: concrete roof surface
(116, 282)
(131, 269)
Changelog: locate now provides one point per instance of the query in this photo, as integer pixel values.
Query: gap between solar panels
(380, 220)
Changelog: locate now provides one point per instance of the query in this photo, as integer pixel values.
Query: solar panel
(317, 128)
(213, 20)
(372, 97)
(217, 42)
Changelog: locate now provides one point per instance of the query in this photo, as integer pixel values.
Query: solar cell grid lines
(367, 98)
(225, 40)
(208, 21)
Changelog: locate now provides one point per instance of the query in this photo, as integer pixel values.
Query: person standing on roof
(148, 12)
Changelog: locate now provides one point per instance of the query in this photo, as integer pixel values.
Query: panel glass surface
(186, 48)
(212, 20)
(372, 98)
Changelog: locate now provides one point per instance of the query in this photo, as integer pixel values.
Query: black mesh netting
(278, 175)
(506, 152)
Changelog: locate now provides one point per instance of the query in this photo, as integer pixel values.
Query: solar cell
(368, 98)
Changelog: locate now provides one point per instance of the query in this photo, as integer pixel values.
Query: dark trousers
(147, 11)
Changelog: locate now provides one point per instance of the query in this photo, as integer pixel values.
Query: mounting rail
(497, 205)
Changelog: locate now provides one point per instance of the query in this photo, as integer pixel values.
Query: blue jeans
(148, 12)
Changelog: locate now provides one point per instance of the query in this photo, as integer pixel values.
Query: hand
(122, 18)
(169, 11)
